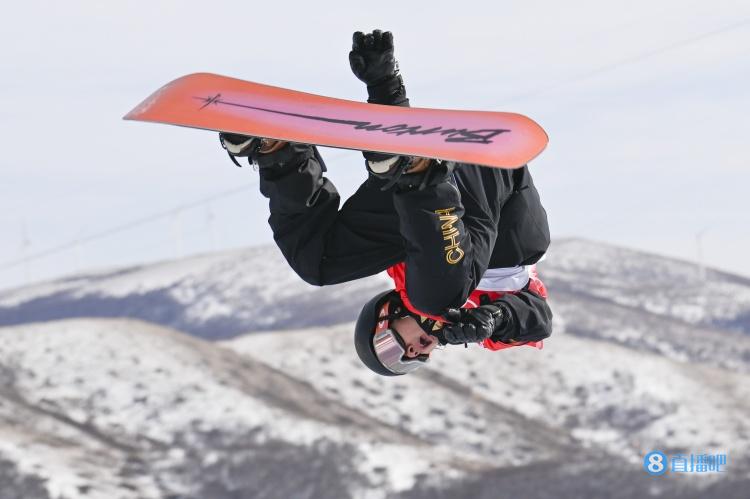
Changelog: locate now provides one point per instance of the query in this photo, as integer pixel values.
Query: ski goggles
(391, 350)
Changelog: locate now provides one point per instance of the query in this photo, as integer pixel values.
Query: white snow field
(117, 407)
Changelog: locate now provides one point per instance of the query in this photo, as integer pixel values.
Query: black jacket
(447, 234)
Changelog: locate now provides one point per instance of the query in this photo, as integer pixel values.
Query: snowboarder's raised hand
(471, 325)
(372, 61)
(372, 58)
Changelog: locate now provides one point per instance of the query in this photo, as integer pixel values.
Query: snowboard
(220, 103)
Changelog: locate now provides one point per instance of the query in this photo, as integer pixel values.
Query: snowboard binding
(396, 171)
(391, 168)
(241, 146)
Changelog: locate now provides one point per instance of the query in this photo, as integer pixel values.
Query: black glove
(471, 325)
(372, 61)
(372, 58)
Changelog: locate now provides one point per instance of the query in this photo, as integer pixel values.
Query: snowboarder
(460, 241)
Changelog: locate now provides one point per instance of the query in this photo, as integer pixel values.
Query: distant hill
(656, 284)
(213, 296)
(222, 295)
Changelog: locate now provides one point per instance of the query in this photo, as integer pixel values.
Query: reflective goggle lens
(390, 352)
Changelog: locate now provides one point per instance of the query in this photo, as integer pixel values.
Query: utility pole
(210, 227)
(177, 239)
(702, 298)
(25, 245)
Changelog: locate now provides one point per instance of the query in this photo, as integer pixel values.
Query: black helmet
(379, 346)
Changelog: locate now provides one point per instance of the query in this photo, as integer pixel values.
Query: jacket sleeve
(531, 317)
(447, 251)
(325, 245)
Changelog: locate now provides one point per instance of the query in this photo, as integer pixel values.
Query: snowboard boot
(407, 173)
(293, 176)
(245, 146)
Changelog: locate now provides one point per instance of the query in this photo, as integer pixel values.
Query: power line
(133, 224)
(175, 210)
(127, 226)
(629, 60)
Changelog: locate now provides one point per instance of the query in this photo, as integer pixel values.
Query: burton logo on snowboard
(220, 103)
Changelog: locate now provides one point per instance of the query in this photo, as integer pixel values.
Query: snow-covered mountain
(213, 296)
(101, 408)
(643, 357)
(656, 284)
(222, 295)
(650, 302)
(594, 408)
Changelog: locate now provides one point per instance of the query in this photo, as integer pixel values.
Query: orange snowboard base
(220, 103)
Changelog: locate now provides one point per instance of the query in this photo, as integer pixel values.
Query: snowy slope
(120, 408)
(656, 284)
(632, 327)
(213, 296)
(603, 395)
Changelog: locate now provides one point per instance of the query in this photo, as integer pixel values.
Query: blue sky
(646, 106)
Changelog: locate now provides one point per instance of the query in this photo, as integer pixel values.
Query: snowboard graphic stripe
(220, 103)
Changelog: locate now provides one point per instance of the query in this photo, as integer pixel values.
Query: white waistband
(504, 279)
